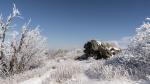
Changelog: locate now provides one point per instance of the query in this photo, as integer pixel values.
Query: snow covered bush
(140, 43)
(136, 58)
(63, 72)
(20, 51)
(134, 68)
(139, 47)
(32, 49)
(101, 71)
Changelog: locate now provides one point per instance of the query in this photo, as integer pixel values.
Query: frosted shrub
(136, 58)
(140, 47)
(140, 43)
(99, 70)
(33, 50)
(60, 53)
(65, 71)
(20, 51)
(135, 68)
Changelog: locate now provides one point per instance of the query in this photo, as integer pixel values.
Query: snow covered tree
(22, 51)
(32, 49)
(136, 58)
(4, 27)
(140, 43)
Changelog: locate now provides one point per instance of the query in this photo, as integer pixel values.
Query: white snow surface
(36, 80)
(69, 71)
(57, 76)
(99, 42)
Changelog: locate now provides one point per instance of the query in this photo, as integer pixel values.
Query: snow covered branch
(25, 51)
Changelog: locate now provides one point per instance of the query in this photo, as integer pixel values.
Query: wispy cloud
(122, 43)
(147, 18)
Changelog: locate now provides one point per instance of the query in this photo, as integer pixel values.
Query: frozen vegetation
(26, 59)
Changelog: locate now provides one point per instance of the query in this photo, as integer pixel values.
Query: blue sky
(70, 23)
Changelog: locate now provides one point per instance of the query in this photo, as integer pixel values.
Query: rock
(99, 50)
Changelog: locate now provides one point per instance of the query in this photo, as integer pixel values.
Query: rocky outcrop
(99, 50)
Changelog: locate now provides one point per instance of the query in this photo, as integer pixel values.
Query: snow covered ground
(79, 78)
(69, 71)
(65, 70)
